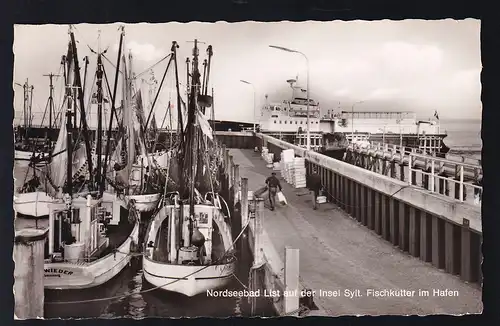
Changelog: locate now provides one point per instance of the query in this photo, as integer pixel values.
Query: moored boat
(188, 243)
(35, 204)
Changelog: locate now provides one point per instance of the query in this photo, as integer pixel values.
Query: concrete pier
(340, 253)
(29, 245)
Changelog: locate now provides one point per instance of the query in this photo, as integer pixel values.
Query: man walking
(315, 185)
(273, 184)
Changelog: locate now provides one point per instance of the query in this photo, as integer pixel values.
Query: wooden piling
(230, 171)
(363, 204)
(403, 226)
(292, 282)
(466, 246)
(425, 237)
(236, 183)
(244, 201)
(29, 250)
(393, 221)
(414, 230)
(371, 208)
(258, 230)
(378, 210)
(452, 248)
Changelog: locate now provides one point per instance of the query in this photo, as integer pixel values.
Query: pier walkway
(337, 253)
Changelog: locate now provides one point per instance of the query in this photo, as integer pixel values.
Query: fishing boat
(188, 243)
(92, 233)
(32, 204)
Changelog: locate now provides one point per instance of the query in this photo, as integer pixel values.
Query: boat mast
(51, 96)
(193, 141)
(180, 131)
(83, 118)
(31, 88)
(99, 75)
(113, 110)
(25, 110)
(210, 54)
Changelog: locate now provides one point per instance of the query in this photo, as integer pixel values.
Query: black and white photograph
(249, 169)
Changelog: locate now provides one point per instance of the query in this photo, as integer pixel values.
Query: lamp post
(253, 87)
(352, 119)
(308, 146)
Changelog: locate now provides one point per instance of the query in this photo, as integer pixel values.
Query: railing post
(432, 176)
(461, 183)
(410, 171)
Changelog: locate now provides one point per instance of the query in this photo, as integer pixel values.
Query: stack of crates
(287, 165)
(268, 157)
(299, 172)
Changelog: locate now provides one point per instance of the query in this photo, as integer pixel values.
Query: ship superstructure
(288, 120)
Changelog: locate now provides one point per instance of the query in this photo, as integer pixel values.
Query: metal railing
(457, 176)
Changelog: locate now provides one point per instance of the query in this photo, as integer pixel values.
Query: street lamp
(307, 89)
(352, 119)
(253, 87)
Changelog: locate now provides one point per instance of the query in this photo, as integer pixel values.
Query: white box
(321, 199)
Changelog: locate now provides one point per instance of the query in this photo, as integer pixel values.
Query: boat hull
(26, 155)
(34, 204)
(174, 278)
(145, 203)
(74, 276)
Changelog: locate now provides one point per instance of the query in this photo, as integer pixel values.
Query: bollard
(29, 250)
(292, 295)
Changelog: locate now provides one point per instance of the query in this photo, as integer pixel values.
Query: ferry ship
(331, 132)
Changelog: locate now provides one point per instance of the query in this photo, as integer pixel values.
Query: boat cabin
(77, 234)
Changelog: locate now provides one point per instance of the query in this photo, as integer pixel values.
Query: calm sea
(464, 136)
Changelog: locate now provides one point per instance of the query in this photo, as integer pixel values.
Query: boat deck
(338, 254)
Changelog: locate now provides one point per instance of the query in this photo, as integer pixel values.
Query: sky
(410, 65)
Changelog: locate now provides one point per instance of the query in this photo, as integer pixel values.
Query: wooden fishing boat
(188, 243)
(190, 269)
(35, 204)
(92, 234)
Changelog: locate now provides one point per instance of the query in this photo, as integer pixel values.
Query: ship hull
(83, 275)
(35, 204)
(188, 280)
(145, 203)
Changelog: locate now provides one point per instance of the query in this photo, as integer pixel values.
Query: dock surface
(338, 254)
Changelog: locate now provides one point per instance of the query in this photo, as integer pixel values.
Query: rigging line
(110, 95)
(111, 63)
(158, 93)
(151, 67)
(82, 37)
